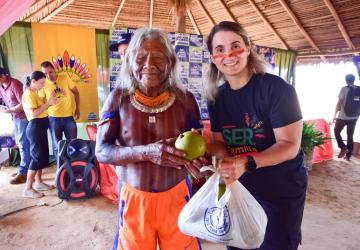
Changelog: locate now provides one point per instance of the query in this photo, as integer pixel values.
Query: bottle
(222, 188)
(222, 185)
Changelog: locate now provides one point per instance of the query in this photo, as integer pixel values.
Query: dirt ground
(331, 220)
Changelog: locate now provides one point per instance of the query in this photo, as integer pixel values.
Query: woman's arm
(217, 147)
(286, 147)
(37, 111)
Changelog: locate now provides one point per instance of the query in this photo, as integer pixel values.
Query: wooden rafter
(300, 27)
(117, 13)
(151, 13)
(28, 19)
(193, 22)
(339, 23)
(228, 10)
(206, 12)
(341, 53)
(268, 24)
(55, 12)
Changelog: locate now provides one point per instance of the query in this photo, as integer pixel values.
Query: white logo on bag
(217, 220)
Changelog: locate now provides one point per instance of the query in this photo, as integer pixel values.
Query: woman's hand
(52, 100)
(165, 154)
(232, 168)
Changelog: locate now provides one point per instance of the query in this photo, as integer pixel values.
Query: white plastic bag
(237, 219)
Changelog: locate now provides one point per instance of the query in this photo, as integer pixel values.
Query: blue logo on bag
(217, 220)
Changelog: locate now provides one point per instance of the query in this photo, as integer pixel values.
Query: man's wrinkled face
(151, 67)
(50, 73)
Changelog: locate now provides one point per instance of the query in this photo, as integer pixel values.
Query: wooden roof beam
(300, 27)
(28, 19)
(118, 13)
(283, 43)
(55, 12)
(202, 7)
(339, 23)
(151, 13)
(228, 10)
(191, 17)
(340, 53)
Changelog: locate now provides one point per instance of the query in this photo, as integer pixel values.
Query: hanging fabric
(285, 65)
(16, 50)
(102, 58)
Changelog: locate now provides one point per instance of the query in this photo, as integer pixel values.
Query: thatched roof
(310, 27)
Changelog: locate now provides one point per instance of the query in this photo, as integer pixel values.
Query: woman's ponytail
(27, 82)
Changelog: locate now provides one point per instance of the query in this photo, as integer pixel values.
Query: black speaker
(77, 176)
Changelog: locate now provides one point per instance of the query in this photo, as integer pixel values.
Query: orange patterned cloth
(152, 101)
(146, 218)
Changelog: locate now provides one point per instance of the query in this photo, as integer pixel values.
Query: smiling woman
(256, 123)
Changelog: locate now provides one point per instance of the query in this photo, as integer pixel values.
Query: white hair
(126, 82)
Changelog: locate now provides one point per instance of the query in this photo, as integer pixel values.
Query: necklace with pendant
(152, 111)
(152, 118)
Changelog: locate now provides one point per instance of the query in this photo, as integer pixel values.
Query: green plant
(311, 138)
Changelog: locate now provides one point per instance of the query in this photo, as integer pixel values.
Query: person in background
(121, 44)
(256, 124)
(63, 114)
(139, 125)
(343, 120)
(11, 91)
(35, 109)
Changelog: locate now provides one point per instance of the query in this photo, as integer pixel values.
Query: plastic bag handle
(224, 200)
(210, 168)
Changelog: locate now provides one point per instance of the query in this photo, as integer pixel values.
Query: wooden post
(180, 22)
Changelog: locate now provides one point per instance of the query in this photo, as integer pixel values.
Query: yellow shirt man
(63, 114)
(31, 100)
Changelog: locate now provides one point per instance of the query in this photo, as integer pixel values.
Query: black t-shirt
(246, 117)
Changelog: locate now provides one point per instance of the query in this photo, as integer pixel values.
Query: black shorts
(36, 132)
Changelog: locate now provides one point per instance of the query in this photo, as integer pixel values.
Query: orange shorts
(146, 218)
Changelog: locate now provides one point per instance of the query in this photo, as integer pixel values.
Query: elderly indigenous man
(63, 114)
(11, 91)
(140, 121)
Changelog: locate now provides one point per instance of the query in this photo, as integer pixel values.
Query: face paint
(231, 54)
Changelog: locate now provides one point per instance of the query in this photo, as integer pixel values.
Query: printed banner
(115, 61)
(72, 51)
(268, 54)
